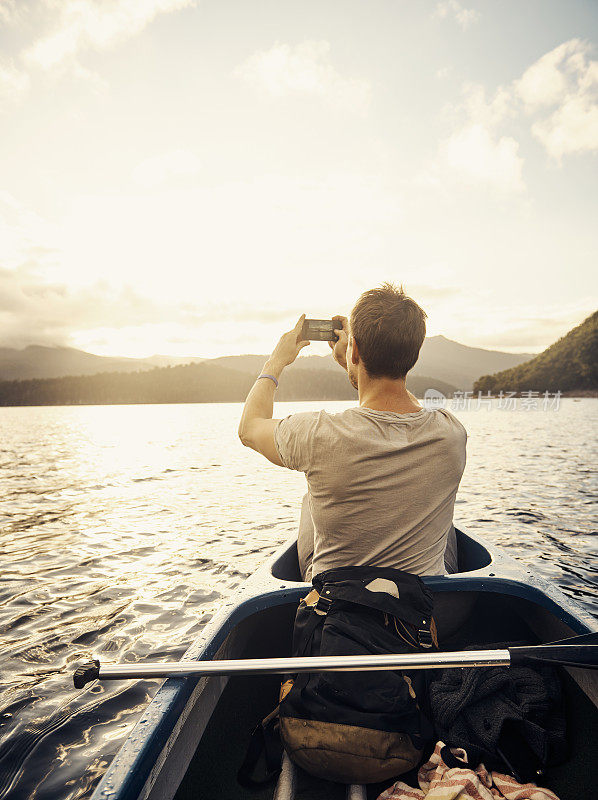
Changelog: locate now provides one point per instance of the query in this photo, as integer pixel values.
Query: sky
(186, 177)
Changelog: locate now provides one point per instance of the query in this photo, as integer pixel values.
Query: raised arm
(256, 429)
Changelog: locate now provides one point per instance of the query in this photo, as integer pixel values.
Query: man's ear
(354, 351)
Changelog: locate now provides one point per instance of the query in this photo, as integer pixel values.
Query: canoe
(193, 735)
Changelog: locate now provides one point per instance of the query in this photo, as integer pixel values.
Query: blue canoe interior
(191, 739)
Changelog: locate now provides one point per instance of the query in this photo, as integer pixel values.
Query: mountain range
(39, 361)
(39, 375)
(443, 359)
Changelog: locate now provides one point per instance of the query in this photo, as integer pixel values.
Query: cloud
(35, 311)
(167, 169)
(489, 112)
(557, 96)
(109, 320)
(77, 26)
(545, 82)
(96, 25)
(475, 152)
(303, 69)
(573, 128)
(465, 17)
(481, 158)
(564, 83)
(271, 243)
(119, 320)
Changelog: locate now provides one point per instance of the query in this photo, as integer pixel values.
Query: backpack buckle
(424, 638)
(322, 606)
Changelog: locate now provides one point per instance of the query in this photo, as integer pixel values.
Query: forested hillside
(190, 383)
(568, 365)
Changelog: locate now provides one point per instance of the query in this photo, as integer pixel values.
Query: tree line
(188, 383)
(568, 365)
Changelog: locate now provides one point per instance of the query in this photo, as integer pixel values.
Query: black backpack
(354, 727)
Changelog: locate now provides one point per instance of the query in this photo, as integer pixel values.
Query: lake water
(123, 527)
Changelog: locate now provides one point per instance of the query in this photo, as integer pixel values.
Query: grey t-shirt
(381, 485)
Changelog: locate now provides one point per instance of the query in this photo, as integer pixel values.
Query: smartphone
(320, 330)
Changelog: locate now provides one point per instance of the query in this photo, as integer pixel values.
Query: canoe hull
(155, 758)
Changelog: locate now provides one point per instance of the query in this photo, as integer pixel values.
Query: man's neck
(386, 394)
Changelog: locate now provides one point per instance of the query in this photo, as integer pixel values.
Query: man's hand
(339, 348)
(289, 346)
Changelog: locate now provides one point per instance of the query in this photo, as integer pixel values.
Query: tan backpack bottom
(347, 753)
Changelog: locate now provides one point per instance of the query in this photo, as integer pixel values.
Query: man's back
(382, 485)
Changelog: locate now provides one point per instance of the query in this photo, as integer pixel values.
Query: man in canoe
(382, 476)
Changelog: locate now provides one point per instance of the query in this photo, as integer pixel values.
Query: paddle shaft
(576, 651)
(281, 666)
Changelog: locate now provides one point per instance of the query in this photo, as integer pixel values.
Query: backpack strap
(315, 600)
(321, 607)
(266, 736)
(425, 638)
(264, 739)
(415, 628)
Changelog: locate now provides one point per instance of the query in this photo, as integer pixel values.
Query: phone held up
(320, 330)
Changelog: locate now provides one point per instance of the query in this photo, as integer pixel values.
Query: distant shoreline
(581, 394)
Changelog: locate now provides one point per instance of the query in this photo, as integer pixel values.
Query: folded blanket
(439, 780)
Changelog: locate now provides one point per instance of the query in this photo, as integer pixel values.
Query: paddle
(578, 651)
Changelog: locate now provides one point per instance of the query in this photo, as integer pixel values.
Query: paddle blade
(577, 651)
(584, 638)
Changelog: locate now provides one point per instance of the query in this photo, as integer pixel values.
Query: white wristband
(272, 378)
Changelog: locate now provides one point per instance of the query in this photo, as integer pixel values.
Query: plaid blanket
(439, 781)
